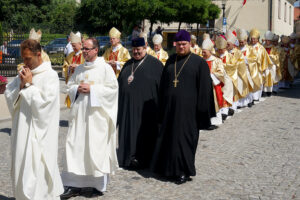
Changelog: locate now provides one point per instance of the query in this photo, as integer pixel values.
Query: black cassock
(138, 111)
(183, 110)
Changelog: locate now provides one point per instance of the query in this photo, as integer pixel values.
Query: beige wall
(256, 13)
(283, 25)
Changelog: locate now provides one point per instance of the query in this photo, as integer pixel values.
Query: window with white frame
(285, 11)
(279, 9)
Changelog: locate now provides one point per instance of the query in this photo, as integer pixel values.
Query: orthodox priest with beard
(138, 107)
(186, 104)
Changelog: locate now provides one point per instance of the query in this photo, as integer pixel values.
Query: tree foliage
(98, 16)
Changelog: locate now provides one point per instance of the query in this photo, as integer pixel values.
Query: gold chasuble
(285, 64)
(231, 69)
(253, 67)
(264, 61)
(72, 58)
(223, 88)
(196, 50)
(151, 52)
(242, 73)
(162, 56)
(274, 76)
(119, 54)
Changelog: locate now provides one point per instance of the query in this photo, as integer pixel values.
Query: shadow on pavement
(8, 131)
(6, 198)
(293, 92)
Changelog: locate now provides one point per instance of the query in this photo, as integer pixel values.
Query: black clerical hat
(138, 42)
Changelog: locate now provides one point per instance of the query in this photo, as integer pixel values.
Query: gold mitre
(275, 38)
(157, 39)
(75, 38)
(35, 35)
(144, 35)
(242, 34)
(206, 36)
(221, 42)
(285, 39)
(269, 35)
(114, 33)
(207, 44)
(230, 37)
(254, 33)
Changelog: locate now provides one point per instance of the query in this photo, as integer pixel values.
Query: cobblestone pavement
(255, 155)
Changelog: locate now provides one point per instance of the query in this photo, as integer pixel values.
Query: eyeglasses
(87, 49)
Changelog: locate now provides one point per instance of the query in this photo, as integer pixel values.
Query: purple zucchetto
(138, 42)
(182, 36)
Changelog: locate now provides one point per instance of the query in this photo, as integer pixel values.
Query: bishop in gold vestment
(116, 55)
(73, 60)
(160, 53)
(264, 61)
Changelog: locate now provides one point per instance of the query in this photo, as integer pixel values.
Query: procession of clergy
(139, 112)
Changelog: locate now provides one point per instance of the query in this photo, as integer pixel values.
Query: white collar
(41, 68)
(211, 58)
(243, 48)
(116, 48)
(77, 53)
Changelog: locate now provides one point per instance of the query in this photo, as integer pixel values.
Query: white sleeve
(214, 79)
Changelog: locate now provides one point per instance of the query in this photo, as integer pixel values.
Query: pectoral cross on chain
(175, 82)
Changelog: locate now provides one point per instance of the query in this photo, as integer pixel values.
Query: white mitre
(207, 44)
(157, 39)
(269, 35)
(75, 38)
(230, 37)
(242, 34)
(35, 35)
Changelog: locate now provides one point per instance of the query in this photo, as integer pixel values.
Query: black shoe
(230, 112)
(90, 192)
(249, 105)
(263, 94)
(224, 117)
(134, 164)
(70, 192)
(274, 93)
(239, 107)
(212, 127)
(253, 103)
(180, 180)
(269, 94)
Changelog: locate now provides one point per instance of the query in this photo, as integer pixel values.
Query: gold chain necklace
(176, 81)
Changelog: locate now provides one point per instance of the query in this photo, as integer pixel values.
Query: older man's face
(206, 53)
(114, 41)
(90, 53)
(139, 52)
(242, 43)
(254, 41)
(183, 47)
(157, 47)
(230, 46)
(76, 46)
(268, 42)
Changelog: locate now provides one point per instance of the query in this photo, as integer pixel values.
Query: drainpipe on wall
(271, 13)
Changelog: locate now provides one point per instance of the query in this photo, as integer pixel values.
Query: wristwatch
(27, 85)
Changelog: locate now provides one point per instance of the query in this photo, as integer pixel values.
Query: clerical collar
(77, 53)
(157, 52)
(90, 63)
(243, 48)
(255, 45)
(230, 51)
(116, 48)
(211, 57)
